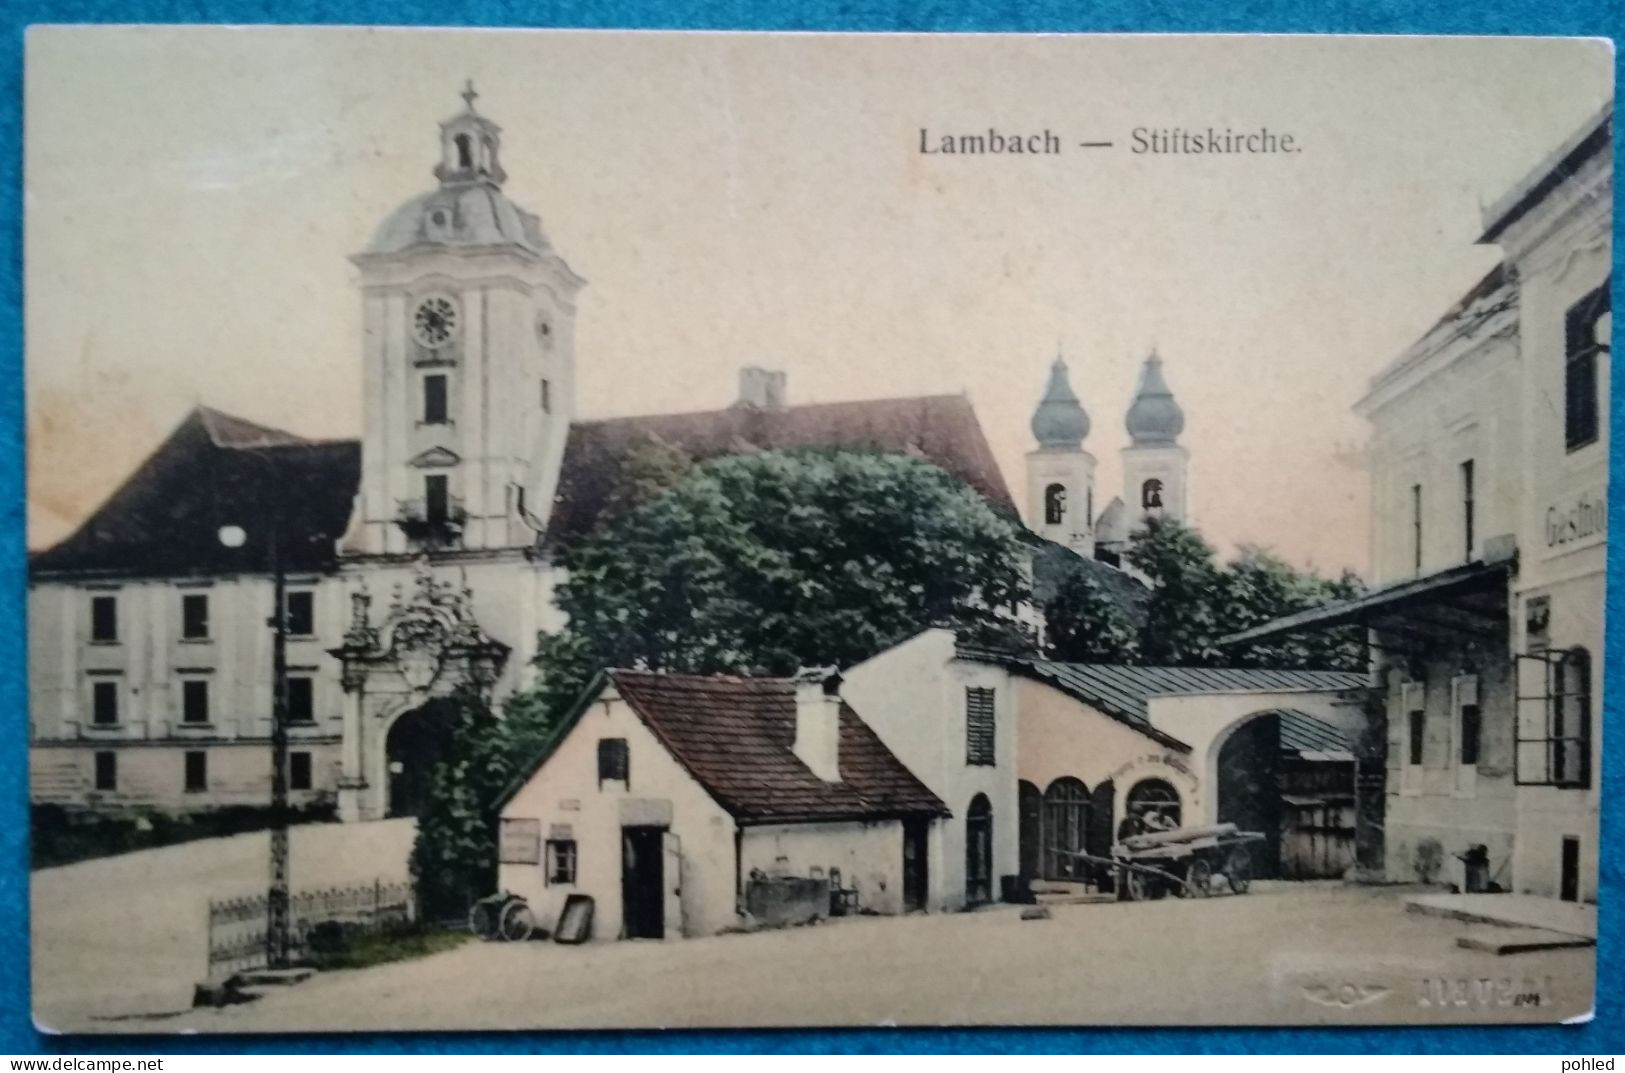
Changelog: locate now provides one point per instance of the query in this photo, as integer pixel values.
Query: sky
(193, 196)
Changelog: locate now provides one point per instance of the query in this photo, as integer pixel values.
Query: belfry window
(1151, 495)
(1054, 504)
(435, 410)
(465, 152)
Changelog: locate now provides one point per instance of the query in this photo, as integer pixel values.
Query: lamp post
(277, 899)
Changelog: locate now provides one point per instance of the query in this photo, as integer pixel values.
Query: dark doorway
(1569, 882)
(643, 873)
(1102, 830)
(916, 875)
(1066, 826)
(416, 742)
(1031, 810)
(979, 851)
(1250, 791)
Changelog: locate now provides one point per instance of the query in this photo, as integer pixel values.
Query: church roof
(1154, 418)
(941, 429)
(1060, 419)
(462, 216)
(736, 737)
(216, 470)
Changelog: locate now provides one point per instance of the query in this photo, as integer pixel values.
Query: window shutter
(979, 725)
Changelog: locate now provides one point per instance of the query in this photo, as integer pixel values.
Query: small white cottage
(684, 805)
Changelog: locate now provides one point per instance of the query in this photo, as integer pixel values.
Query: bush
(62, 835)
(342, 945)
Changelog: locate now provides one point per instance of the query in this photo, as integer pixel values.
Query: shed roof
(1125, 692)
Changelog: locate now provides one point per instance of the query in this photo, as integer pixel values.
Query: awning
(1468, 600)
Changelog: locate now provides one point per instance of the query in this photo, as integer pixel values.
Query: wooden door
(915, 874)
(1031, 805)
(643, 895)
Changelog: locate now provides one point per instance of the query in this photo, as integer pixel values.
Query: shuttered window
(1581, 412)
(613, 762)
(978, 725)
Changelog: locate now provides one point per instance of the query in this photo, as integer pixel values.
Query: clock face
(435, 322)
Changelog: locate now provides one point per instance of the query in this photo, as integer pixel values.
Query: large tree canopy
(766, 562)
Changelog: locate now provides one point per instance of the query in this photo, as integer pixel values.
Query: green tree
(1083, 624)
(1182, 620)
(762, 563)
(1258, 586)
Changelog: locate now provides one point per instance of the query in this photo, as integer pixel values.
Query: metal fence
(238, 926)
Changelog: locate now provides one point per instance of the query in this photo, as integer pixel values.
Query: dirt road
(1305, 953)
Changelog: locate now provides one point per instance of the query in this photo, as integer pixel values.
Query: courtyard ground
(1303, 953)
(119, 939)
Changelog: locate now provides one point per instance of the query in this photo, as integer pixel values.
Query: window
(1054, 504)
(195, 617)
(104, 703)
(1570, 725)
(1416, 527)
(437, 498)
(104, 619)
(547, 396)
(298, 771)
(613, 762)
(465, 151)
(107, 771)
(197, 772)
(195, 701)
(978, 725)
(435, 411)
(1413, 729)
(1416, 725)
(1151, 495)
(1585, 321)
(1471, 728)
(1467, 507)
(561, 861)
(301, 613)
(1154, 796)
(301, 699)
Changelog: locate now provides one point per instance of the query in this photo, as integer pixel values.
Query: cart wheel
(1138, 885)
(1199, 878)
(1239, 870)
(518, 922)
(483, 918)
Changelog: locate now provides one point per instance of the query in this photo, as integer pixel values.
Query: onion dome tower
(1155, 465)
(1060, 473)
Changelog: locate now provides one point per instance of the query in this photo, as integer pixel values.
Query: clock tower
(468, 345)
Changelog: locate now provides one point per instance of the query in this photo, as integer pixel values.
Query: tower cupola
(469, 147)
(1154, 418)
(1060, 420)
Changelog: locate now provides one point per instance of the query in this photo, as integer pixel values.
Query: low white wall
(868, 855)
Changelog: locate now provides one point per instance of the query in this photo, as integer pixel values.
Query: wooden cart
(1184, 862)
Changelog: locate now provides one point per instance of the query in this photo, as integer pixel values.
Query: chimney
(818, 721)
(761, 388)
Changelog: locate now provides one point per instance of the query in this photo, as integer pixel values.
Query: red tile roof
(735, 735)
(941, 429)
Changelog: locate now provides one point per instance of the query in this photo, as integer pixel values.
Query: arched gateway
(400, 678)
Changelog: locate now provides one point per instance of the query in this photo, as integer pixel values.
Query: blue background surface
(1600, 18)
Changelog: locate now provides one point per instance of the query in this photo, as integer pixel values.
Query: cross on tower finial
(469, 94)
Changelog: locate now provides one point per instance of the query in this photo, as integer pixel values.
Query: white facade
(915, 696)
(1489, 441)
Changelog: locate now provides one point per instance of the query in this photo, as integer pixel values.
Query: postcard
(594, 530)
